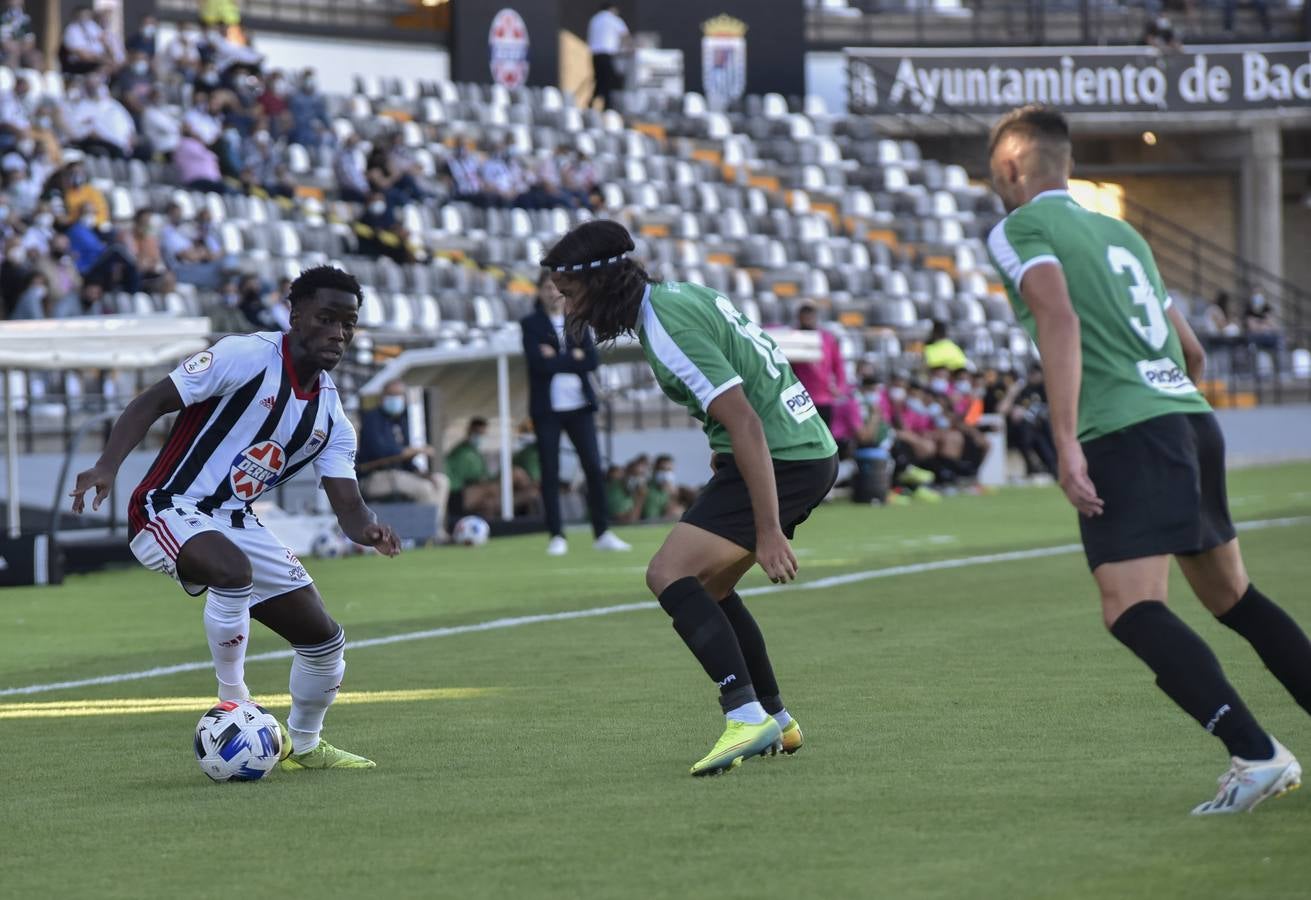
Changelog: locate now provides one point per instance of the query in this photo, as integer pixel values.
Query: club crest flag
(723, 59)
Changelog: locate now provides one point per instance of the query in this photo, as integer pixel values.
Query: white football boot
(1248, 782)
(557, 546)
(610, 541)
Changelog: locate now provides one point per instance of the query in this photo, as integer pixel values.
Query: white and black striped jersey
(246, 425)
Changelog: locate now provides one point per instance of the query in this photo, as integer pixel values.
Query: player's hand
(548, 352)
(776, 557)
(1078, 487)
(98, 477)
(579, 354)
(382, 538)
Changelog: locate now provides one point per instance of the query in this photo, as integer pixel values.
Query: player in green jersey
(1141, 455)
(774, 461)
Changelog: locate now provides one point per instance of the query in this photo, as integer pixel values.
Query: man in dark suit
(562, 399)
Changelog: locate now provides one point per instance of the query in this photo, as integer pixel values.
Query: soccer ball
(471, 531)
(238, 740)
(330, 544)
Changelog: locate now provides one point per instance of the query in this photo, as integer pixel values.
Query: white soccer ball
(471, 531)
(238, 740)
(330, 544)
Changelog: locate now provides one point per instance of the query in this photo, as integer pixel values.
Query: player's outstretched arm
(751, 453)
(1048, 297)
(1194, 355)
(356, 519)
(158, 400)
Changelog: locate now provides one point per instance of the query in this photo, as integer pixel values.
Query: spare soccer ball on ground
(471, 531)
(331, 543)
(238, 740)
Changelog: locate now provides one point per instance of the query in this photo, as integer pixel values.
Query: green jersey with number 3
(1133, 363)
(699, 346)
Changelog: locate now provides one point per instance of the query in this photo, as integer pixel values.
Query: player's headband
(594, 264)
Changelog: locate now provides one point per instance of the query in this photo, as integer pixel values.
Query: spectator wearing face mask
(106, 264)
(273, 103)
(309, 111)
(664, 500)
(78, 193)
(18, 48)
(15, 273)
(15, 121)
(191, 260)
(379, 232)
(135, 81)
(35, 301)
(183, 53)
(61, 274)
(387, 461)
(201, 120)
(145, 39)
(83, 47)
(142, 242)
(22, 192)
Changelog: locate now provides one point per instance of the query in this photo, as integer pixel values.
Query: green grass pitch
(971, 732)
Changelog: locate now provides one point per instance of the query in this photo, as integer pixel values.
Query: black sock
(705, 629)
(1277, 639)
(1190, 675)
(752, 643)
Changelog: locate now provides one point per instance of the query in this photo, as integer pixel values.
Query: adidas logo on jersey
(267, 403)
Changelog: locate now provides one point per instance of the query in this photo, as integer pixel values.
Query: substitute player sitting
(1140, 454)
(774, 462)
(255, 410)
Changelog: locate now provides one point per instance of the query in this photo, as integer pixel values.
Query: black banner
(518, 40)
(1079, 79)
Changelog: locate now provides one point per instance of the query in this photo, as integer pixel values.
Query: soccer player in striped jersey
(774, 462)
(255, 410)
(1140, 453)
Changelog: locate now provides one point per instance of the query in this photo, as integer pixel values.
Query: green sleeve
(1018, 243)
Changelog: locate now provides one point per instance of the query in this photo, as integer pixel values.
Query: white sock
(316, 672)
(751, 713)
(782, 718)
(227, 626)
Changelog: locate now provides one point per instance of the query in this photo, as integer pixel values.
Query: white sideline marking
(516, 621)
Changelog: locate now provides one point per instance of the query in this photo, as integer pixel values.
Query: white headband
(594, 264)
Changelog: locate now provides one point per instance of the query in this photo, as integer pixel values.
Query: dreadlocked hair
(610, 293)
(330, 278)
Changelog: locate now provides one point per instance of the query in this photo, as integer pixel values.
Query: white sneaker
(610, 541)
(1248, 782)
(557, 546)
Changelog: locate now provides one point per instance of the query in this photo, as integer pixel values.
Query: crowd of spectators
(206, 104)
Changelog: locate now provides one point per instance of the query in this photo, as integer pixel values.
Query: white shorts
(275, 569)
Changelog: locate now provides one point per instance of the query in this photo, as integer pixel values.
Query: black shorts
(724, 506)
(1163, 483)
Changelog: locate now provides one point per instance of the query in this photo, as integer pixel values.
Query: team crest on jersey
(198, 363)
(316, 440)
(256, 469)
